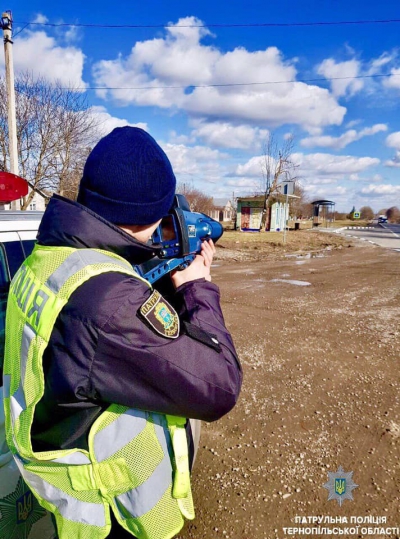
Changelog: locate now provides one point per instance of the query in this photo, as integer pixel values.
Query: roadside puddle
(290, 281)
(301, 258)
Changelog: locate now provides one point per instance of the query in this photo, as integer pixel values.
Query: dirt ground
(321, 390)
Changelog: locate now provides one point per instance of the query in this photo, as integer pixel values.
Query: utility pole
(6, 25)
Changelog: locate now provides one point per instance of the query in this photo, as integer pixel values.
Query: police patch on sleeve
(161, 316)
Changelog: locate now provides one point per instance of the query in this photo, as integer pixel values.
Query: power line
(212, 25)
(226, 85)
(22, 29)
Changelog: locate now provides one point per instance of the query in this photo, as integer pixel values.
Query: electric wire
(217, 25)
(214, 25)
(227, 85)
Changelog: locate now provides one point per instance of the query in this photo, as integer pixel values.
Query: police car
(21, 517)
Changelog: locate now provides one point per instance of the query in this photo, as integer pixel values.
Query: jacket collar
(66, 223)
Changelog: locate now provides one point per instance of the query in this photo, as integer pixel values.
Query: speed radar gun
(178, 239)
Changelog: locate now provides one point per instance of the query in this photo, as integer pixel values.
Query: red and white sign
(12, 187)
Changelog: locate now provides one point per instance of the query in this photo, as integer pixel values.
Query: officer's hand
(208, 251)
(198, 269)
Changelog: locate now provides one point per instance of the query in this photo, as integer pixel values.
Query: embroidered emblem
(161, 316)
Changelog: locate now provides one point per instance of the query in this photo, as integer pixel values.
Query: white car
(21, 517)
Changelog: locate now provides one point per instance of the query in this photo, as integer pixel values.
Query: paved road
(393, 228)
(387, 236)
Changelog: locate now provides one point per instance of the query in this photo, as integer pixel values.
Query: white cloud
(323, 192)
(252, 168)
(244, 184)
(175, 138)
(226, 135)
(394, 162)
(106, 122)
(394, 80)
(381, 189)
(196, 164)
(311, 183)
(376, 178)
(70, 34)
(180, 59)
(350, 69)
(316, 165)
(393, 140)
(377, 64)
(357, 178)
(324, 164)
(343, 140)
(353, 123)
(41, 55)
(40, 19)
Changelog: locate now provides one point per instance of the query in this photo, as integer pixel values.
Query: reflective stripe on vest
(142, 498)
(68, 507)
(78, 486)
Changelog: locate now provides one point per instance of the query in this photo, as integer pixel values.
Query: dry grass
(308, 224)
(296, 241)
(347, 222)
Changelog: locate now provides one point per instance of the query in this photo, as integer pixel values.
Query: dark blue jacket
(102, 351)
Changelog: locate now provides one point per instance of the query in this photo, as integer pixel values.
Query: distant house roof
(252, 197)
(220, 202)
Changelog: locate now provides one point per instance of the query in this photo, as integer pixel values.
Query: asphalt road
(387, 235)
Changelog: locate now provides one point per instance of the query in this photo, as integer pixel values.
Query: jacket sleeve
(196, 375)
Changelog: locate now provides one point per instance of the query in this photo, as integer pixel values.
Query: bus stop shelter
(323, 212)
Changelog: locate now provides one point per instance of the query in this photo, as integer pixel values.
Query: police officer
(101, 371)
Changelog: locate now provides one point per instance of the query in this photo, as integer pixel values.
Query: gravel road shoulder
(318, 336)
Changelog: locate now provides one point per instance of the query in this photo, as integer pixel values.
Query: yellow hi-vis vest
(137, 462)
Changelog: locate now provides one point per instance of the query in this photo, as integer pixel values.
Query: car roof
(20, 215)
(11, 221)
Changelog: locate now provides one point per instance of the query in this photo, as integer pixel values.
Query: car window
(27, 246)
(15, 256)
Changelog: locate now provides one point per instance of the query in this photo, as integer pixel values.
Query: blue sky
(345, 124)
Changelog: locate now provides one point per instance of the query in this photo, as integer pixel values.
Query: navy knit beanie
(128, 179)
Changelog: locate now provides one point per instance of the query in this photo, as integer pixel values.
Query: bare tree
(55, 130)
(276, 166)
(393, 214)
(198, 201)
(299, 207)
(366, 212)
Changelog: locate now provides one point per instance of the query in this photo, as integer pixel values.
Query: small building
(38, 203)
(250, 212)
(222, 210)
(279, 214)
